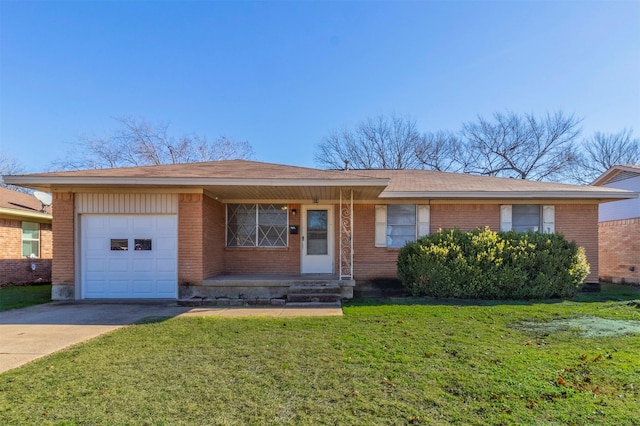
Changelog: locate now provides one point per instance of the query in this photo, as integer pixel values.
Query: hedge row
(484, 264)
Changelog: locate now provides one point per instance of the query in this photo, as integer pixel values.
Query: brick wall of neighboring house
(190, 239)
(274, 261)
(620, 250)
(63, 268)
(579, 223)
(14, 268)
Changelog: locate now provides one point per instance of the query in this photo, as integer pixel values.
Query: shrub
(484, 264)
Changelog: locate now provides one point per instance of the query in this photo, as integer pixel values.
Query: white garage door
(129, 256)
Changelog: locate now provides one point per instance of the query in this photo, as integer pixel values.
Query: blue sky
(282, 75)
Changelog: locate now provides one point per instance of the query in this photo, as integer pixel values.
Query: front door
(317, 239)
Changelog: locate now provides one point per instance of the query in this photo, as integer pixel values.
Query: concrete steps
(314, 294)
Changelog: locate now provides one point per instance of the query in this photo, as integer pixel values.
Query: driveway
(30, 333)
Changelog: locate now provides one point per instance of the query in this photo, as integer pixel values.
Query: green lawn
(403, 361)
(20, 296)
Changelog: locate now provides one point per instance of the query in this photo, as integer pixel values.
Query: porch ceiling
(285, 192)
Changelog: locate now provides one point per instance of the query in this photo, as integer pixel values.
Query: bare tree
(601, 152)
(443, 151)
(521, 146)
(377, 143)
(10, 166)
(138, 143)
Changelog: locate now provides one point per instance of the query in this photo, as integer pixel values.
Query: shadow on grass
(608, 292)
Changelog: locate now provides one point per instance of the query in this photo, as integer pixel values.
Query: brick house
(242, 229)
(25, 230)
(619, 227)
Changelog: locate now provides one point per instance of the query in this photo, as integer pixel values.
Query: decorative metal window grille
(257, 225)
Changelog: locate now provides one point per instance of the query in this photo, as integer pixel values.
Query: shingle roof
(19, 203)
(244, 179)
(434, 181)
(230, 169)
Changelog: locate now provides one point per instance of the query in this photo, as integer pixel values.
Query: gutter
(604, 194)
(25, 214)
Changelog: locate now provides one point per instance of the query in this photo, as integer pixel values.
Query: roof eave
(604, 178)
(595, 195)
(25, 214)
(39, 182)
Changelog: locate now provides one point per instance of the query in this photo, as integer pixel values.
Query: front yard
(21, 296)
(404, 361)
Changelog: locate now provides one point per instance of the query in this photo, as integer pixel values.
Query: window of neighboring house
(527, 217)
(398, 224)
(30, 239)
(257, 225)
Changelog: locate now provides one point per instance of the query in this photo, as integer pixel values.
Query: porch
(267, 289)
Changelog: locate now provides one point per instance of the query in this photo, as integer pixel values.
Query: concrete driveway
(30, 333)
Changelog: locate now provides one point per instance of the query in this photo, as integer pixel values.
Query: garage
(129, 256)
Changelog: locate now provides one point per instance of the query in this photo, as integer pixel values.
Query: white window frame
(423, 220)
(547, 218)
(31, 240)
(257, 236)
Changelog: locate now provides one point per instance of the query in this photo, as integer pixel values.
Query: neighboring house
(619, 227)
(240, 228)
(25, 239)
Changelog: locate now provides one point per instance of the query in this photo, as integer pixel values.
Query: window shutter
(548, 219)
(424, 220)
(505, 218)
(381, 226)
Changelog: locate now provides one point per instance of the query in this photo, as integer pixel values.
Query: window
(30, 239)
(397, 224)
(142, 244)
(527, 217)
(119, 244)
(257, 225)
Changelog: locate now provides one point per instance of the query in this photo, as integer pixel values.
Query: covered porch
(265, 289)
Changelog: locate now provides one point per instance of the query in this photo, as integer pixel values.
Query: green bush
(484, 264)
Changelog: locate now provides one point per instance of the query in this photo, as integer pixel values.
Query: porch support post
(346, 236)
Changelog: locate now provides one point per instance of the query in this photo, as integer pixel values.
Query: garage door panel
(118, 265)
(166, 265)
(129, 273)
(144, 265)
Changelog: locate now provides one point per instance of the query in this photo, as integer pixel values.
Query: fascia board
(24, 214)
(622, 195)
(131, 181)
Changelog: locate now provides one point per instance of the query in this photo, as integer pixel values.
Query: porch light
(294, 212)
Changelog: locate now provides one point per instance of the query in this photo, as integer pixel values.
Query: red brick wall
(213, 237)
(620, 250)
(579, 223)
(16, 269)
(370, 262)
(190, 239)
(466, 217)
(63, 268)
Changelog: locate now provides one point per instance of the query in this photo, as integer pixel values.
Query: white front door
(129, 256)
(317, 239)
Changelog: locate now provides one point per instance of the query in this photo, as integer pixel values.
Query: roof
(616, 173)
(18, 204)
(242, 179)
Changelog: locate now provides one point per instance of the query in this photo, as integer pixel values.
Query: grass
(406, 361)
(21, 296)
